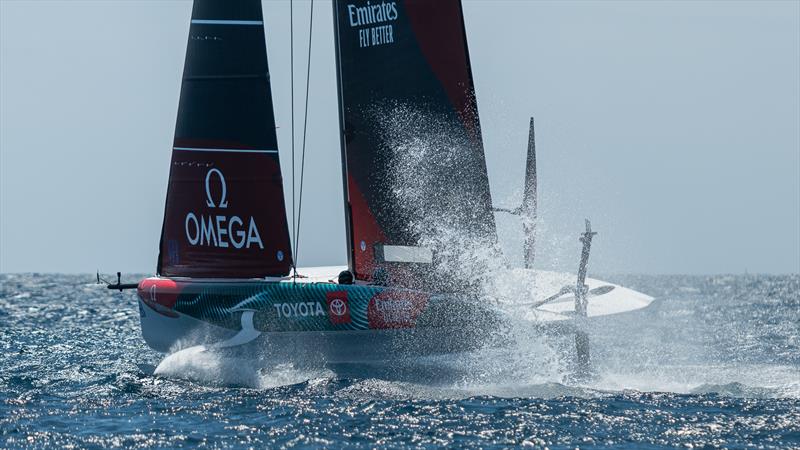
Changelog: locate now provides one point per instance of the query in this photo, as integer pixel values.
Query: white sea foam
(642, 350)
(208, 366)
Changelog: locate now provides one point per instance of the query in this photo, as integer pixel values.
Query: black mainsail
(412, 151)
(225, 215)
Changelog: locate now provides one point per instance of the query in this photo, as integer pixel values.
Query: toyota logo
(338, 307)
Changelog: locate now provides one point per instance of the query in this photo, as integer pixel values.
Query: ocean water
(713, 363)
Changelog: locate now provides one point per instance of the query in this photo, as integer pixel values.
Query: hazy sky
(674, 126)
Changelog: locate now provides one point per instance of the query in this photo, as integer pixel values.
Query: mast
(348, 213)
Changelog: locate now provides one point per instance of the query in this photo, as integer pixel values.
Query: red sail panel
(225, 215)
(366, 231)
(408, 114)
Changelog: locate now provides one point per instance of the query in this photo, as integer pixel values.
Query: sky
(674, 126)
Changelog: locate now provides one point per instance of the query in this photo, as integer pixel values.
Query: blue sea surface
(714, 362)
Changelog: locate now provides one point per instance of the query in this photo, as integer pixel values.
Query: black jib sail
(225, 214)
(411, 139)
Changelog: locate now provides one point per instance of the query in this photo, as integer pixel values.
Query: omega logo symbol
(223, 201)
(338, 307)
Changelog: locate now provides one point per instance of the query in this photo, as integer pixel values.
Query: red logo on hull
(338, 307)
(395, 309)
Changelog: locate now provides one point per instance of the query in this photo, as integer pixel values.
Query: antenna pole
(119, 284)
(581, 294)
(580, 288)
(529, 201)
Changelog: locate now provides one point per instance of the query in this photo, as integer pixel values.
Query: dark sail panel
(225, 215)
(412, 144)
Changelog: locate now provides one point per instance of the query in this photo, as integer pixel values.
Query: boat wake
(381, 383)
(209, 366)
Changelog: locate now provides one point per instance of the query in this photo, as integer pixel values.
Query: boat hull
(314, 322)
(170, 334)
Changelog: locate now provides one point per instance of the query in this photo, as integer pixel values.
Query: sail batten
(227, 22)
(225, 215)
(223, 150)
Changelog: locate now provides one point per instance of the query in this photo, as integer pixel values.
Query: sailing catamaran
(226, 275)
